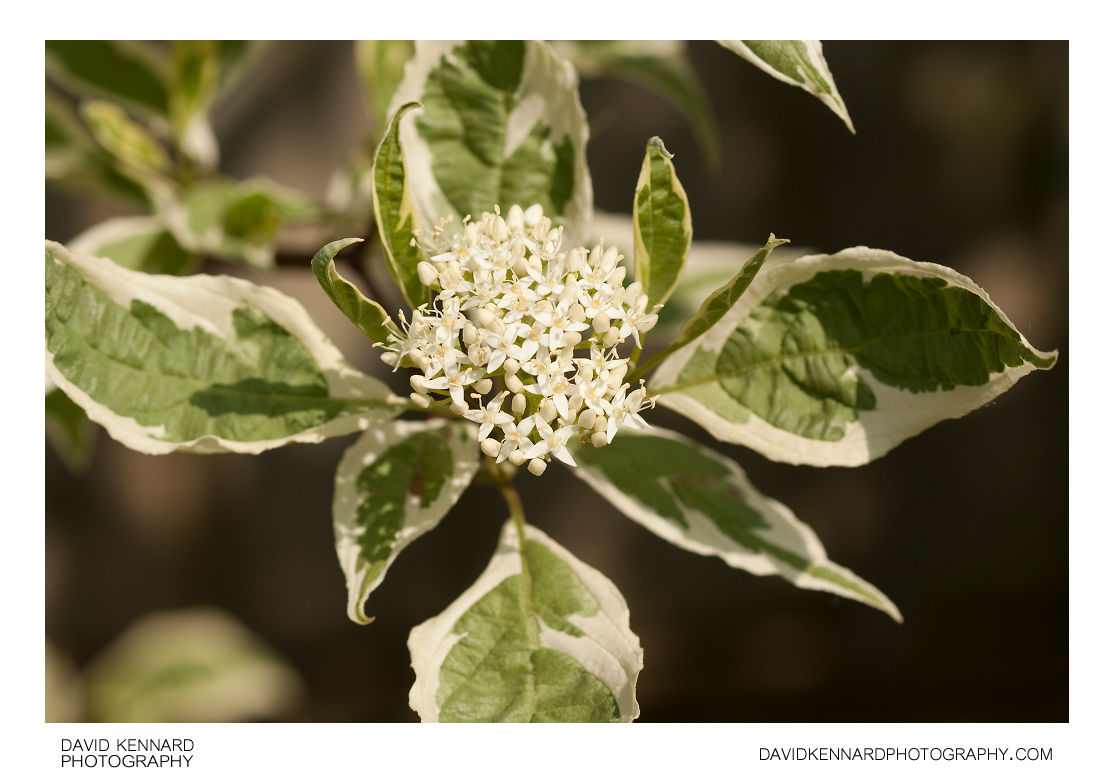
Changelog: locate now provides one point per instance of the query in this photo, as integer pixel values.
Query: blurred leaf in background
(190, 666)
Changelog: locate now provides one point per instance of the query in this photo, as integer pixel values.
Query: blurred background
(960, 159)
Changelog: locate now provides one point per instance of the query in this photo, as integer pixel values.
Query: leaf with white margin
(500, 123)
(700, 501)
(662, 224)
(394, 211)
(835, 360)
(392, 486)
(204, 363)
(540, 636)
(138, 242)
(799, 63)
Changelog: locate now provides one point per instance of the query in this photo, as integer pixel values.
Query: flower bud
(421, 400)
(601, 323)
(610, 256)
(517, 457)
(417, 383)
(532, 215)
(587, 419)
(513, 383)
(537, 466)
(427, 273)
(611, 337)
(460, 409)
(616, 277)
(510, 365)
(490, 447)
(483, 386)
(599, 439)
(632, 293)
(576, 313)
(515, 217)
(518, 404)
(470, 334)
(389, 358)
(547, 410)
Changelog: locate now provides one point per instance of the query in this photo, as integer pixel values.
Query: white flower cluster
(534, 330)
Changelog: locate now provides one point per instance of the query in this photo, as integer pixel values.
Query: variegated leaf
(799, 63)
(835, 360)
(203, 363)
(395, 215)
(500, 123)
(392, 486)
(701, 501)
(662, 224)
(540, 636)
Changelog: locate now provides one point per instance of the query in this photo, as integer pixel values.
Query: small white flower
(490, 416)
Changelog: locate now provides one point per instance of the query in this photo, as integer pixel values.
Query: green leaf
(365, 313)
(235, 220)
(127, 72)
(394, 212)
(540, 636)
(392, 486)
(662, 224)
(835, 360)
(380, 65)
(69, 431)
(800, 63)
(202, 363)
(139, 242)
(701, 501)
(659, 66)
(195, 665)
(501, 123)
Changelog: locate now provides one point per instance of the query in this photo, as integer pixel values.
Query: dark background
(960, 159)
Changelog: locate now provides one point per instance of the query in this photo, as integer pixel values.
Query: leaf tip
(658, 145)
